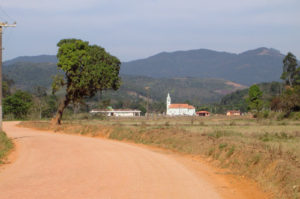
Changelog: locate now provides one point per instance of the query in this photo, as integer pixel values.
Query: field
(267, 151)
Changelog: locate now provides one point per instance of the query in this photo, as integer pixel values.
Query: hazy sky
(131, 29)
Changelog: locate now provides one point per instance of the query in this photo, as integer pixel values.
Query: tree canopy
(254, 100)
(88, 69)
(291, 74)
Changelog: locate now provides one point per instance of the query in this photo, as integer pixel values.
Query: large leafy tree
(254, 100)
(290, 72)
(88, 69)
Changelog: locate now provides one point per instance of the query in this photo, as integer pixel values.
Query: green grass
(5, 146)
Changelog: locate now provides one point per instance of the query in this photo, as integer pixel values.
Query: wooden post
(1, 31)
(1, 84)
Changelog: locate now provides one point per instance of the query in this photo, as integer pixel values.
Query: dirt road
(60, 166)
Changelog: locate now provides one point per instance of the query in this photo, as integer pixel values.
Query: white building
(179, 109)
(118, 112)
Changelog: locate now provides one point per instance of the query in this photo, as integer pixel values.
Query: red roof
(181, 106)
(203, 112)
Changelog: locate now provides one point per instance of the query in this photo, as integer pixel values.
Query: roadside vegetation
(265, 150)
(6, 146)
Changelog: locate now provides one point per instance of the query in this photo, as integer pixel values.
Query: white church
(179, 109)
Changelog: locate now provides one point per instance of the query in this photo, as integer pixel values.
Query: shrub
(5, 145)
(230, 151)
(222, 146)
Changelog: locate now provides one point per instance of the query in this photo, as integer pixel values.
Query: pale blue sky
(132, 29)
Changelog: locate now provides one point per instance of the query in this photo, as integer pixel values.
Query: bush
(295, 115)
(266, 114)
(230, 151)
(5, 145)
(18, 104)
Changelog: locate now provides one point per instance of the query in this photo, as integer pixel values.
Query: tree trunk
(57, 119)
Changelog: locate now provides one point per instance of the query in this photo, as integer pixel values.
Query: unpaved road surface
(59, 166)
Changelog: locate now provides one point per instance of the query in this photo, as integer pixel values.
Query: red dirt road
(60, 166)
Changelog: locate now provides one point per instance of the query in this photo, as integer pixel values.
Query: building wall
(124, 114)
(180, 111)
(118, 113)
(233, 114)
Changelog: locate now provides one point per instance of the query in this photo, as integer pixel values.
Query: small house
(233, 113)
(203, 113)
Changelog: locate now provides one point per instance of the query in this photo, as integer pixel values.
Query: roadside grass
(5, 146)
(265, 150)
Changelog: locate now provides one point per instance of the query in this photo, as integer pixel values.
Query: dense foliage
(254, 100)
(237, 100)
(88, 69)
(17, 104)
(289, 100)
(282, 97)
(291, 74)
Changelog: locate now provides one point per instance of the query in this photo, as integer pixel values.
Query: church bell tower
(168, 102)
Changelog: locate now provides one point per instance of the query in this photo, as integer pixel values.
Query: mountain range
(200, 76)
(250, 67)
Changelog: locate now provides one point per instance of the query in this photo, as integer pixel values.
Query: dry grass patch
(265, 150)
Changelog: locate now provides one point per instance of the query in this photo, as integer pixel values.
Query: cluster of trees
(238, 100)
(288, 100)
(18, 104)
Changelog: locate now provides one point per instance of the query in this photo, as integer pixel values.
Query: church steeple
(168, 101)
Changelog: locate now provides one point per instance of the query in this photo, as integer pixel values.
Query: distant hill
(33, 59)
(200, 76)
(254, 66)
(28, 75)
(193, 90)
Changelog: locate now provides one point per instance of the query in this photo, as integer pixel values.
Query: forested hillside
(28, 76)
(237, 99)
(193, 90)
(253, 66)
(197, 76)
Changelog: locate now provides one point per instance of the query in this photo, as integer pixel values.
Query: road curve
(60, 166)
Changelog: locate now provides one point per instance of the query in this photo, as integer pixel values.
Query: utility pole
(2, 24)
(147, 88)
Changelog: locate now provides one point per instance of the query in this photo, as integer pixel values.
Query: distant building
(117, 112)
(179, 109)
(203, 113)
(233, 113)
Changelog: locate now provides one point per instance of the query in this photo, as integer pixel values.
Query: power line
(5, 13)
